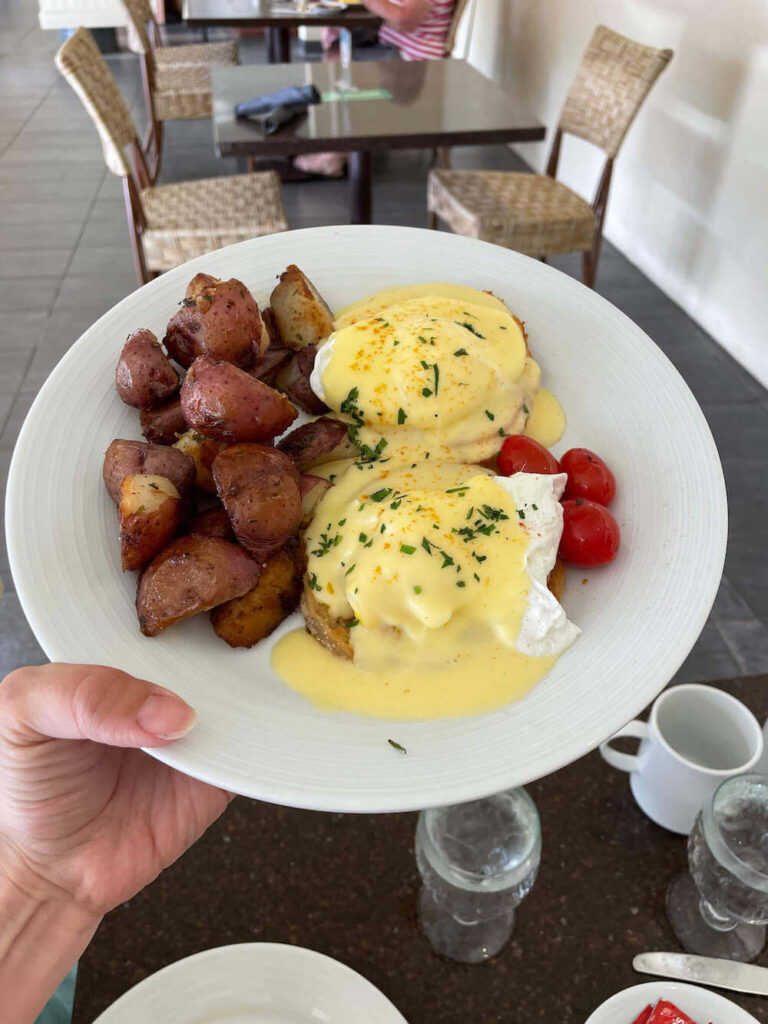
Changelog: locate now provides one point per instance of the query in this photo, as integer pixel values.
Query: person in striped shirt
(418, 28)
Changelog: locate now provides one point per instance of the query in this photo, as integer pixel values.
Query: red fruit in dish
(590, 534)
(521, 454)
(588, 477)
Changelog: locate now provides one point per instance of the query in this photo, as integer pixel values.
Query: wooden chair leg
(587, 270)
(251, 164)
(432, 220)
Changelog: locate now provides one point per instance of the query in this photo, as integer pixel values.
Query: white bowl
(254, 983)
(700, 1004)
(640, 616)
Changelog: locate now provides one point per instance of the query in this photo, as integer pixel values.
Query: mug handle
(625, 762)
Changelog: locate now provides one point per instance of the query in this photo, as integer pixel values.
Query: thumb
(90, 702)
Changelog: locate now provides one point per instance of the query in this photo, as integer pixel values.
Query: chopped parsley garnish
(313, 584)
(471, 329)
(154, 487)
(476, 576)
(349, 570)
(526, 410)
(397, 746)
(381, 320)
(521, 513)
(407, 549)
(458, 490)
(351, 623)
(342, 521)
(382, 494)
(326, 543)
(460, 583)
(350, 407)
(402, 416)
(461, 352)
(426, 545)
(363, 537)
(198, 438)
(489, 415)
(502, 432)
(535, 508)
(417, 590)
(447, 560)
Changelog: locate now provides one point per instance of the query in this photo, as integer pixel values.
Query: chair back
(615, 76)
(83, 66)
(143, 33)
(450, 39)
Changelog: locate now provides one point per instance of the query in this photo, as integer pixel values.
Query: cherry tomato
(588, 477)
(590, 533)
(521, 454)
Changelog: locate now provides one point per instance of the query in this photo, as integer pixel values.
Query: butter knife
(705, 970)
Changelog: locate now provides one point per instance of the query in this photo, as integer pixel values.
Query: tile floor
(65, 259)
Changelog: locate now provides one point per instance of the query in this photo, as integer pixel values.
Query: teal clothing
(58, 1009)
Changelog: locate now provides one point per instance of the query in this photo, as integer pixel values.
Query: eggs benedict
(427, 585)
(434, 367)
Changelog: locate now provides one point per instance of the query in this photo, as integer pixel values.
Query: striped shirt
(428, 41)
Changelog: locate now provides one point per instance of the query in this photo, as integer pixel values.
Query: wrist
(40, 940)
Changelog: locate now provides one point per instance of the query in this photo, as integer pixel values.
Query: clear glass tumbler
(344, 82)
(477, 861)
(720, 909)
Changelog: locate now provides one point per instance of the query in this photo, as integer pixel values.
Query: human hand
(84, 816)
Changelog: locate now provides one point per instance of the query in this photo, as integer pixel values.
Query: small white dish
(700, 1004)
(254, 983)
(639, 616)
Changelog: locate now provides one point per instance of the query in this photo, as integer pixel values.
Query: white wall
(689, 200)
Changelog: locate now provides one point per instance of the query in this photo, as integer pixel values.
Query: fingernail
(168, 718)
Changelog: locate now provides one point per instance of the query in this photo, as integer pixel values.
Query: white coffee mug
(695, 737)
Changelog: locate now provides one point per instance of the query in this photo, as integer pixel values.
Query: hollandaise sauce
(426, 563)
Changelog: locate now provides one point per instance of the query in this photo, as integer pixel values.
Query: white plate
(254, 983)
(640, 616)
(700, 1004)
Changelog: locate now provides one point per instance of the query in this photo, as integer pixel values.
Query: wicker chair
(176, 79)
(534, 213)
(169, 224)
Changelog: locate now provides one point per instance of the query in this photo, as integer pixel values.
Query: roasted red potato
(322, 440)
(259, 488)
(126, 458)
(149, 514)
(202, 450)
(248, 619)
(191, 575)
(145, 376)
(293, 379)
(164, 423)
(219, 319)
(312, 488)
(267, 365)
(275, 338)
(225, 403)
(302, 315)
(213, 523)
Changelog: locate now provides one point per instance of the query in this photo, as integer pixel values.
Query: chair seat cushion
(191, 218)
(197, 53)
(530, 213)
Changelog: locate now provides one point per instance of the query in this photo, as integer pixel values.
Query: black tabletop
(347, 885)
(430, 103)
(268, 14)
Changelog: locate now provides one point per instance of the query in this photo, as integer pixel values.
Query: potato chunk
(302, 315)
(248, 619)
(202, 451)
(149, 514)
(191, 575)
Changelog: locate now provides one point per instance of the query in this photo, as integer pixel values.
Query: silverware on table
(705, 970)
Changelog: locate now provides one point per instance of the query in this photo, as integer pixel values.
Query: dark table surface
(263, 13)
(434, 103)
(346, 885)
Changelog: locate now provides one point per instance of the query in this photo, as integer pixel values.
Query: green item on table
(335, 95)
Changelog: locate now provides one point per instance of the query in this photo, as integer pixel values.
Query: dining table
(278, 18)
(347, 885)
(373, 106)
